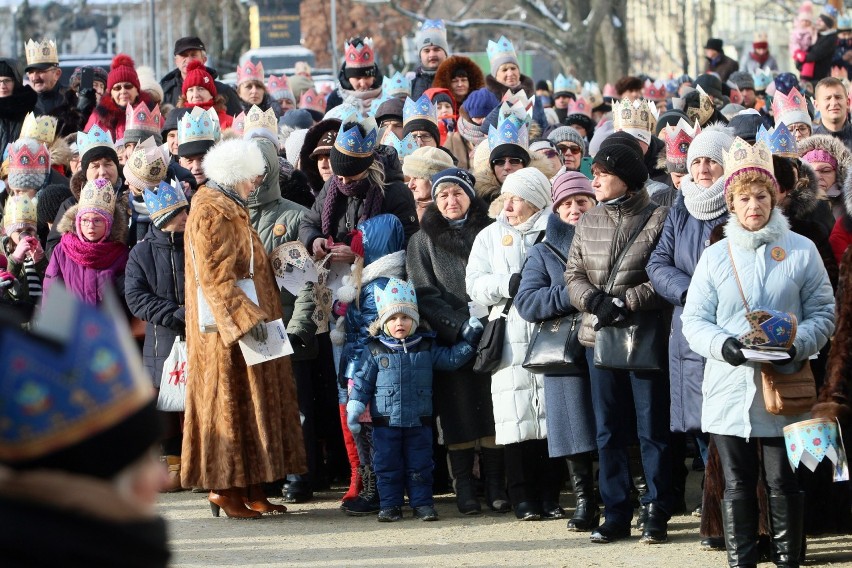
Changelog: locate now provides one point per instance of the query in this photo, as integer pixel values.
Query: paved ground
(318, 534)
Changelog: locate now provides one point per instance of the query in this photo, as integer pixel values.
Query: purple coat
(88, 284)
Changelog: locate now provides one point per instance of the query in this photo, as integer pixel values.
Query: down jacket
(598, 241)
(499, 251)
(778, 269)
(670, 270)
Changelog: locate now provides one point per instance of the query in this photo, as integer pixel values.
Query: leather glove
(471, 331)
(610, 311)
(354, 409)
(295, 340)
(514, 284)
(732, 352)
(791, 355)
(259, 332)
(86, 100)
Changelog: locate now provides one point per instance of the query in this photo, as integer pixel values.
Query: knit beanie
(568, 184)
(97, 153)
(425, 162)
(509, 151)
(669, 118)
(742, 79)
(785, 82)
(480, 103)
(529, 184)
(454, 176)
(567, 134)
(354, 149)
(297, 118)
(432, 32)
(29, 164)
(424, 125)
(746, 124)
(621, 155)
(50, 199)
(711, 143)
(198, 76)
(122, 70)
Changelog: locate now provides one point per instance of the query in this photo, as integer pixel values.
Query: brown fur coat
(241, 423)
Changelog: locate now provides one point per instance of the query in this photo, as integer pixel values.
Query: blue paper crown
(403, 147)
(164, 199)
(377, 102)
(433, 25)
(94, 138)
(780, 140)
(421, 109)
(508, 131)
(830, 11)
(199, 125)
(562, 84)
(397, 294)
(844, 22)
(501, 47)
(350, 141)
(398, 84)
(770, 329)
(762, 78)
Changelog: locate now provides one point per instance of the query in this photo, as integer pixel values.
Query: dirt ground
(319, 534)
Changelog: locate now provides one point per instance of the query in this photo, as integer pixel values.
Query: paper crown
(811, 441)
(239, 124)
(742, 156)
(735, 96)
(844, 22)
(501, 51)
(518, 109)
(22, 160)
(779, 140)
(42, 128)
(147, 165)
(399, 84)
(563, 84)
(41, 52)
(654, 91)
(198, 125)
(770, 329)
(609, 92)
(705, 109)
(403, 147)
(143, 119)
(279, 88)
(509, 131)
(678, 137)
(377, 102)
(421, 109)
(344, 110)
(428, 25)
(638, 115)
(351, 142)
(790, 108)
(592, 93)
(97, 195)
(18, 211)
(762, 78)
(397, 295)
(580, 106)
(360, 55)
(164, 198)
(250, 72)
(310, 100)
(94, 138)
(257, 119)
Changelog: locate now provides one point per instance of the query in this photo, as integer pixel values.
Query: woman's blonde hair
(743, 182)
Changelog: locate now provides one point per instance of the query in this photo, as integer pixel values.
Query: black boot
(641, 486)
(740, 524)
(656, 526)
(494, 469)
(786, 523)
(587, 514)
(461, 464)
(367, 502)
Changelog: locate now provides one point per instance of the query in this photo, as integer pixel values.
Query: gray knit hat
(567, 134)
(742, 79)
(425, 162)
(710, 143)
(432, 32)
(529, 184)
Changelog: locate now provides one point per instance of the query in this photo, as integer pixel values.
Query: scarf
(97, 256)
(774, 229)
(759, 58)
(703, 203)
(372, 195)
(365, 98)
(228, 192)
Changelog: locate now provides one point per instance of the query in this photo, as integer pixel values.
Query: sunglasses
(565, 148)
(123, 87)
(503, 161)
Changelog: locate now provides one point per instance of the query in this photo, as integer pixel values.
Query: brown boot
(256, 500)
(231, 501)
(173, 483)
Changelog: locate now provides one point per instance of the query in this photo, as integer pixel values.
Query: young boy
(396, 379)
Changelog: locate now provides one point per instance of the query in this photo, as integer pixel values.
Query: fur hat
(233, 161)
(529, 184)
(122, 70)
(425, 162)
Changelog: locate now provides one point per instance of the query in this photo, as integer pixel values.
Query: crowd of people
(667, 235)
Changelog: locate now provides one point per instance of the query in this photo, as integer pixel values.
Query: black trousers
(741, 466)
(531, 474)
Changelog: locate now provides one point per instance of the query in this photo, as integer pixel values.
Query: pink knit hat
(568, 184)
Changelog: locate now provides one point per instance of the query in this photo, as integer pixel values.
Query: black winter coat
(15, 107)
(422, 81)
(154, 291)
(820, 54)
(172, 84)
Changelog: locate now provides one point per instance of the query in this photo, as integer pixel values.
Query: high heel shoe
(256, 500)
(227, 500)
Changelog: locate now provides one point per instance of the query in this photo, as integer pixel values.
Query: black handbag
(555, 347)
(489, 351)
(640, 342)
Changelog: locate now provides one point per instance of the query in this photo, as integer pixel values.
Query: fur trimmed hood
(444, 74)
(76, 183)
(847, 194)
(120, 221)
(487, 187)
(499, 89)
(802, 201)
(60, 152)
(444, 237)
(834, 147)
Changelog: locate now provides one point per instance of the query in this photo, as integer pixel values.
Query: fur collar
(389, 266)
(776, 228)
(559, 233)
(834, 147)
(111, 115)
(120, 221)
(458, 242)
(804, 198)
(499, 89)
(847, 194)
(444, 74)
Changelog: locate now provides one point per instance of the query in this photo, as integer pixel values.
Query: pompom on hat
(198, 76)
(122, 70)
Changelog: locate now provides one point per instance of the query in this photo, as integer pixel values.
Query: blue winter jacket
(396, 377)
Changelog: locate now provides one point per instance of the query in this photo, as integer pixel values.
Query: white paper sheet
(760, 355)
(276, 345)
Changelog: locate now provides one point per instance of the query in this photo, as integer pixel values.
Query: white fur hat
(148, 82)
(232, 161)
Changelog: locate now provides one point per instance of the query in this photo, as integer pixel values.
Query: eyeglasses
(503, 161)
(423, 137)
(123, 87)
(96, 222)
(6, 81)
(549, 153)
(800, 129)
(565, 148)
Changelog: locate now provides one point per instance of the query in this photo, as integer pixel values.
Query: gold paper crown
(257, 119)
(98, 195)
(634, 115)
(19, 211)
(42, 128)
(147, 164)
(742, 156)
(705, 109)
(41, 52)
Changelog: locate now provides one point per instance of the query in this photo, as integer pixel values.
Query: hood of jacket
(444, 74)
(312, 138)
(270, 190)
(456, 241)
(120, 221)
(847, 195)
(802, 201)
(23, 98)
(381, 235)
(387, 156)
(833, 146)
(435, 91)
(76, 183)
(559, 233)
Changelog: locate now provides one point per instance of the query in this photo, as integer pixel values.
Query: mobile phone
(87, 78)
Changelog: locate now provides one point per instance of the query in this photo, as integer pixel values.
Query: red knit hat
(122, 70)
(197, 76)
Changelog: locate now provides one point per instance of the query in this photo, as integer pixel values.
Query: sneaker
(360, 507)
(390, 515)
(426, 513)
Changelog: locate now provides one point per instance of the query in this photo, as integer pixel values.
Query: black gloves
(471, 331)
(514, 284)
(732, 352)
(791, 352)
(610, 311)
(86, 100)
(295, 341)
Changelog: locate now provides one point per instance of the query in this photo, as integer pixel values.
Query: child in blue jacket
(396, 379)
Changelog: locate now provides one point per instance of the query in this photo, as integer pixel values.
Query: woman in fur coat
(241, 424)
(122, 89)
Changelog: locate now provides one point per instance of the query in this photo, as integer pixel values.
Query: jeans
(741, 466)
(402, 460)
(617, 396)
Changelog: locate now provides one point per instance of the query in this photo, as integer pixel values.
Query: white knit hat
(529, 184)
(425, 162)
(710, 143)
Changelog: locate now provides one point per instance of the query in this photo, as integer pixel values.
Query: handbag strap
(558, 254)
(737, 277)
(646, 215)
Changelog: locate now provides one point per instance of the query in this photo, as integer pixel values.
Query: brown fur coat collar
(120, 221)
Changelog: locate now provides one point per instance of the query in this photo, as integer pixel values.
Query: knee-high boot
(587, 515)
(494, 468)
(461, 464)
(786, 522)
(355, 484)
(740, 525)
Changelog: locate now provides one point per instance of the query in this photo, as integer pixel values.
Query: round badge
(507, 240)
(279, 230)
(778, 254)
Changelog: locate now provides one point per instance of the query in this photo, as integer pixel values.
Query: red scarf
(225, 119)
(96, 256)
(759, 58)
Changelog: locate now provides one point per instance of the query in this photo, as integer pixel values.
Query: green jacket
(19, 292)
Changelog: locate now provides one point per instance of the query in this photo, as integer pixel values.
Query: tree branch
(464, 9)
(542, 10)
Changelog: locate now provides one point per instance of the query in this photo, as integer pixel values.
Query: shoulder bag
(640, 342)
(555, 347)
(783, 394)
